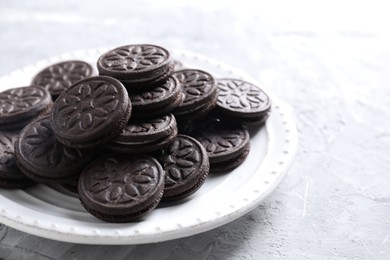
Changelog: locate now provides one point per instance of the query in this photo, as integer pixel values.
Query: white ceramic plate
(54, 213)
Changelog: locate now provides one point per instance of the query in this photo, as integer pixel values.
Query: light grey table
(330, 61)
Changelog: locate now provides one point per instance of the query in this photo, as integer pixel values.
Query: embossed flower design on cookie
(119, 182)
(60, 76)
(88, 106)
(134, 57)
(7, 157)
(180, 162)
(150, 95)
(223, 143)
(19, 99)
(42, 143)
(195, 83)
(241, 95)
(144, 127)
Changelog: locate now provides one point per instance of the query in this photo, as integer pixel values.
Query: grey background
(329, 60)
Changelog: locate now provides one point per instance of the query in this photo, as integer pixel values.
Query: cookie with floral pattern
(200, 94)
(186, 165)
(242, 102)
(10, 175)
(159, 100)
(43, 159)
(137, 64)
(227, 144)
(144, 136)
(121, 188)
(18, 106)
(91, 112)
(58, 77)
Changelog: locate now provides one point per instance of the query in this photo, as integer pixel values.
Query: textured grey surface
(330, 61)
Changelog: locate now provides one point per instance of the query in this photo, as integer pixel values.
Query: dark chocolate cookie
(43, 159)
(91, 112)
(155, 101)
(242, 102)
(186, 167)
(200, 92)
(227, 144)
(18, 106)
(10, 175)
(143, 136)
(137, 63)
(121, 188)
(58, 77)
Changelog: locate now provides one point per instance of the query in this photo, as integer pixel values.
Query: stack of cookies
(139, 133)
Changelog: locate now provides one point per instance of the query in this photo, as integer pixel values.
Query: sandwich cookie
(241, 102)
(186, 167)
(200, 94)
(91, 112)
(43, 159)
(137, 65)
(58, 77)
(157, 101)
(10, 175)
(144, 136)
(18, 106)
(121, 188)
(227, 144)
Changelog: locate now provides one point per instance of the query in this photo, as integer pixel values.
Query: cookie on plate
(227, 144)
(186, 167)
(91, 112)
(43, 159)
(136, 65)
(121, 188)
(18, 106)
(241, 102)
(200, 94)
(58, 77)
(10, 175)
(144, 136)
(159, 100)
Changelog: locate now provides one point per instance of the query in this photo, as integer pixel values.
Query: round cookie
(136, 64)
(144, 136)
(10, 175)
(18, 106)
(227, 144)
(242, 102)
(200, 93)
(155, 101)
(186, 167)
(121, 188)
(43, 159)
(58, 77)
(91, 112)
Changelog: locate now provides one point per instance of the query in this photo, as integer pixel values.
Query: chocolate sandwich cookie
(121, 188)
(242, 102)
(10, 175)
(157, 101)
(144, 136)
(58, 77)
(200, 94)
(18, 106)
(227, 144)
(91, 112)
(43, 159)
(136, 65)
(186, 167)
